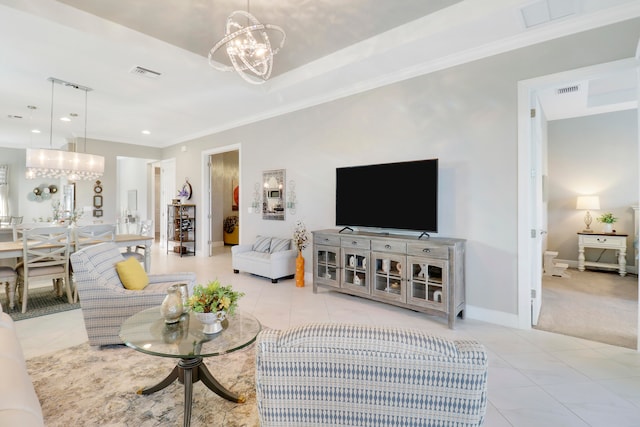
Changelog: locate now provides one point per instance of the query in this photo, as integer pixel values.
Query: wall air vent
(145, 72)
(568, 89)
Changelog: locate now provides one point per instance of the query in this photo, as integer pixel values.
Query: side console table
(603, 241)
(425, 275)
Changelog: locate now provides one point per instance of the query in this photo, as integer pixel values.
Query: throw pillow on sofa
(132, 275)
(279, 245)
(262, 244)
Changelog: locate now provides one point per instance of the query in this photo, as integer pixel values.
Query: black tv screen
(392, 195)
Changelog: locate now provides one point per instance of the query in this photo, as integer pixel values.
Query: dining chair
(9, 277)
(145, 228)
(15, 222)
(45, 256)
(88, 235)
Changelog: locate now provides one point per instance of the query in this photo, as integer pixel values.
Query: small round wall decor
(186, 189)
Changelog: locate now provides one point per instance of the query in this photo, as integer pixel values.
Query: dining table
(14, 249)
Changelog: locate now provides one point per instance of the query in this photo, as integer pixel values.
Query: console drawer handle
(354, 243)
(602, 241)
(426, 250)
(387, 246)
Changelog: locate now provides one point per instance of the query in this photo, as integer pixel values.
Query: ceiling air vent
(145, 72)
(568, 89)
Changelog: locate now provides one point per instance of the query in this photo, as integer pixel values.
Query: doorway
(531, 221)
(221, 181)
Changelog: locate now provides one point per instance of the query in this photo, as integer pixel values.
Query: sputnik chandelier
(248, 47)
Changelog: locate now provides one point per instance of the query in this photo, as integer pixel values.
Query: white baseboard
(492, 316)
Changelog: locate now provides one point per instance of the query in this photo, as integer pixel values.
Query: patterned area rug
(40, 302)
(87, 386)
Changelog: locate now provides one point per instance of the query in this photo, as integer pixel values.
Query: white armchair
(105, 302)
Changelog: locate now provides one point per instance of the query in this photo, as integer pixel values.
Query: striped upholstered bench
(349, 375)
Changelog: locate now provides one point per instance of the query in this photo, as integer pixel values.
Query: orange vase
(300, 270)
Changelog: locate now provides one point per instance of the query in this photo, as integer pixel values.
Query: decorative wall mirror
(132, 201)
(273, 195)
(68, 199)
(97, 201)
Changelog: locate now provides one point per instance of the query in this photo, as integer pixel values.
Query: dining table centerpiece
(212, 303)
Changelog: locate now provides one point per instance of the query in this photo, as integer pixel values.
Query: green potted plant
(607, 219)
(211, 303)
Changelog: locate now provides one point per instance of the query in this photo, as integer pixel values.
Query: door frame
(527, 201)
(167, 184)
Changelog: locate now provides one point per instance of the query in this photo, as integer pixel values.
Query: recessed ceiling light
(35, 131)
(65, 119)
(146, 132)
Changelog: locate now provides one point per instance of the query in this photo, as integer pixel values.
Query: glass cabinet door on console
(355, 270)
(388, 273)
(427, 282)
(327, 270)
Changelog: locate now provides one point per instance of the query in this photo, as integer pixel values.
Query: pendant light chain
(85, 120)
(51, 119)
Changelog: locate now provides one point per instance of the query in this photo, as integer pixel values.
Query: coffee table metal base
(188, 372)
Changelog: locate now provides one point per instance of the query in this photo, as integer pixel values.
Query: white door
(210, 205)
(537, 206)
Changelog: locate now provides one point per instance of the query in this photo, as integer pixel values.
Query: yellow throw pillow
(132, 275)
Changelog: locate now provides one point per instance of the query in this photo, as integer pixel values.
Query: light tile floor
(535, 378)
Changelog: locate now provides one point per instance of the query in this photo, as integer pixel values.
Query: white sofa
(19, 404)
(270, 257)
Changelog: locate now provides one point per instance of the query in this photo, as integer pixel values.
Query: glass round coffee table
(147, 332)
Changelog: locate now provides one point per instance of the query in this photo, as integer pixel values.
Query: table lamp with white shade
(588, 203)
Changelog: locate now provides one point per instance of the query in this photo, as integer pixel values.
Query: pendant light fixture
(248, 47)
(50, 163)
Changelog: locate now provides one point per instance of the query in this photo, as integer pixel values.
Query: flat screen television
(400, 195)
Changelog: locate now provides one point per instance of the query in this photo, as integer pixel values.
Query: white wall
(593, 155)
(133, 174)
(231, 174)
(466, 116)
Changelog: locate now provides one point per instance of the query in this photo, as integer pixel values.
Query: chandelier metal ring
(248, 47)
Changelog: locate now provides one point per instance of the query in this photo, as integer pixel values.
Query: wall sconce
(41, 193)
(291, 197)
(588, 203)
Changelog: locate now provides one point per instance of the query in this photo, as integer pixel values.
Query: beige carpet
(85, 386)
(595, 305)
